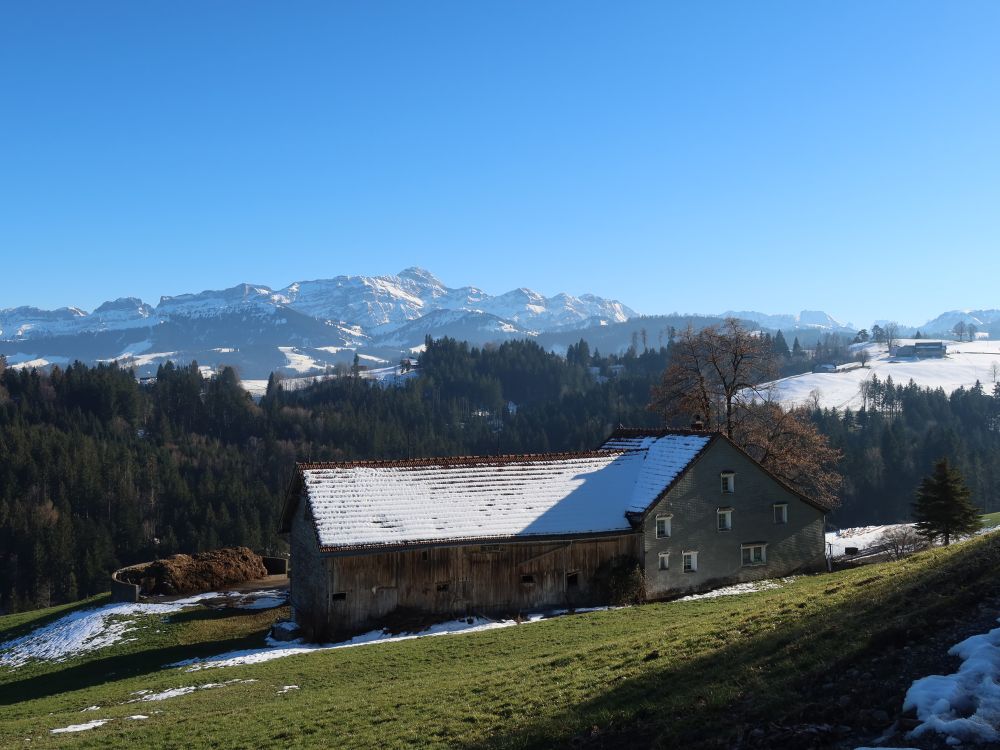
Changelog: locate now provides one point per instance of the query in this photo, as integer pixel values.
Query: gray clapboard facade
(502, 535)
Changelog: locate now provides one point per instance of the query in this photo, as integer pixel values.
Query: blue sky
(690, 157)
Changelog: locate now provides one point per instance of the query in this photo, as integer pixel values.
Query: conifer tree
(780, 345)
(943, 507)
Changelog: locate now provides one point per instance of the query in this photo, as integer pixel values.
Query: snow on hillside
(96, 628)
(964, 364)
(862, 537)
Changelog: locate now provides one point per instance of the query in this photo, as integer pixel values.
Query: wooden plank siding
(468, 579)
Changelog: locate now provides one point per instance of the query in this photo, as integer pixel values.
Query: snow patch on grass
(736, 589)
(280, 649)
(85, 630)
(80, 727)
(146, 696)
(91, 629)
(963, 706)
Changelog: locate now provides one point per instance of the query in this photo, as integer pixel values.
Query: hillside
(965, 364)
(816, 661)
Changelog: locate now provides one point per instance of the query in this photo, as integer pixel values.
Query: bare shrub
(901, 541)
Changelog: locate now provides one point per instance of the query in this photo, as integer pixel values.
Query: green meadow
(691, 672)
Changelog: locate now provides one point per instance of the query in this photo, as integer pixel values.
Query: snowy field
(965, 364)
(383, 375)
(861, 537)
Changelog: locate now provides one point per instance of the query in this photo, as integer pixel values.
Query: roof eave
(360, 549)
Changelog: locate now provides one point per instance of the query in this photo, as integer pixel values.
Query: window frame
(728, 514)
(784, 513)
(748, 548)
(728, 479)
(667, 518)
(663, 561)
(689, 561)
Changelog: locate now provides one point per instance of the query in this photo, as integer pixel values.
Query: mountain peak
(422, 275)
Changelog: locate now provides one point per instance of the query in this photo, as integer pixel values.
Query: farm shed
(506, 534)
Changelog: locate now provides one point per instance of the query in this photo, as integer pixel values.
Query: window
(690, 562)
(664, 561)
(728, 482)
(340, 596)
(572, 580)
(663, 526)
(754, 554)
(425, 555)
(725, 519)
(780, 512)
(528, 579)
(442, 586)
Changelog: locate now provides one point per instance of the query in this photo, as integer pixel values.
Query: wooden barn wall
(308, 580)
(472, 579)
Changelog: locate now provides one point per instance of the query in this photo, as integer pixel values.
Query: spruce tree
(780, 345)
(943, 507)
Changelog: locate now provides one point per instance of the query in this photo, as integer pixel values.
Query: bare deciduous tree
(863, 356)
(718, 373)
(815, 399)
(891, 333)
(789, 445)
(959, 329)
(901, 541)
(712, 373)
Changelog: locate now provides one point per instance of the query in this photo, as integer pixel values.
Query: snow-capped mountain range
(814, 319)
(304, 327)
(309, 326)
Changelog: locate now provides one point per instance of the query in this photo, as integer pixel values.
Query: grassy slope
(991, 519)
(676, 672)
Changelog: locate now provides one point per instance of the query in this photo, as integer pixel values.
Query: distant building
(503, 534)
(921, 348)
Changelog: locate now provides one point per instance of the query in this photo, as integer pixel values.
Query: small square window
(340, 596)
(754, 554)
(528, 579)
(664, 561)
(425, 555)
(572, 580)
(442, 586)
(725, 519)
(780, 512)
(690, 560)
(663, 524)
(728, 482)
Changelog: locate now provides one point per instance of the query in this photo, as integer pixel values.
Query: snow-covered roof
(375, 504)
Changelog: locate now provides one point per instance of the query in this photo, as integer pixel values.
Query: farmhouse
(506, 534)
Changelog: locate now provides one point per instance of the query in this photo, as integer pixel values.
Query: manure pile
(193, 574)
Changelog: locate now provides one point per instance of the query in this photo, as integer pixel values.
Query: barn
(494, 535)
